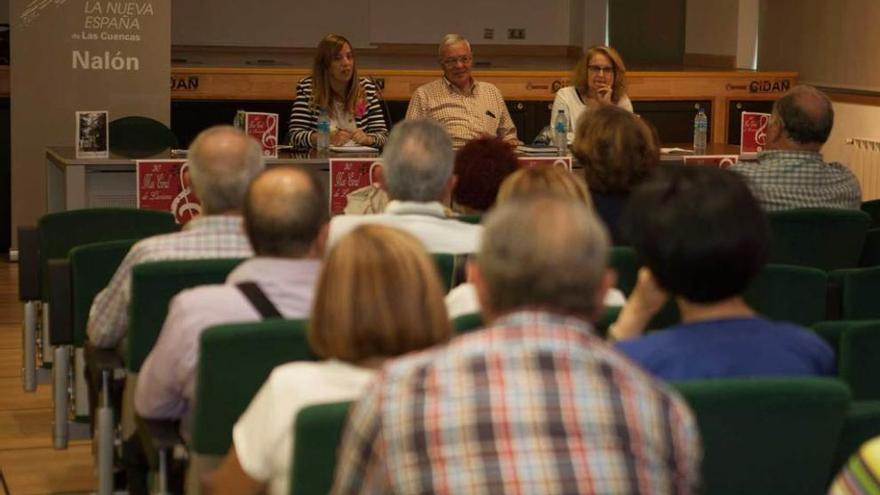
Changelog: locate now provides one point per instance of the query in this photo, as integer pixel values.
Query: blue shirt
(731, 347)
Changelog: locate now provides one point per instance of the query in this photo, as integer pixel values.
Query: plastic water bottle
(323, 141)
(560, 133)
(701, 130)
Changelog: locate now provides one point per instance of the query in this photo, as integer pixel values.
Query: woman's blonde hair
(322, 94)
(544, 180)
(579, 78)
(378, 295)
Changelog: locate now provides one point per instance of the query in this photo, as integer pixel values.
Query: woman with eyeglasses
(599, 77)
(351, 102)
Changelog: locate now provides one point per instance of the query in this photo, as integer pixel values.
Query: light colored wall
(747, 34)
(851, 120)
(711, 27)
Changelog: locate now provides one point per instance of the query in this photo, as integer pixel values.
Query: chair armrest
(158, 435)
(60, 303)
(28, 264)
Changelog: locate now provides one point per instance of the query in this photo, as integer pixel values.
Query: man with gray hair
(222, 162)
(535, 402)
(468, 109)
(791, 172)
(416, 173)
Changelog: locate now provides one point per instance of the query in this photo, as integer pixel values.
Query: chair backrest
(623, 260)
(317, 432)
(767, 435)
(153, 285)
(140, 135)
(446, 268)
(474, 219)
(59, 232)
(91, 268)
(871, 249)
(872, 208)
(234, 361)
(858, 362)
(862, 424)
(859, 292)
(467, 323)
(823, 238)
(789, 293)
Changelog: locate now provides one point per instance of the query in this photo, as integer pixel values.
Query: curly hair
(616, 148)
(481, 166)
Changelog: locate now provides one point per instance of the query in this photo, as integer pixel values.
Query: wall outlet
(488, 33)
(516, 33)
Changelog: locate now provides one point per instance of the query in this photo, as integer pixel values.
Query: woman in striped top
(352, 103)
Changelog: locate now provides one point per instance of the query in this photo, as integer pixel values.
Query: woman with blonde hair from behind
(378, 296)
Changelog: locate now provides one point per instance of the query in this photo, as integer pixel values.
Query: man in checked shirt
(533, 403)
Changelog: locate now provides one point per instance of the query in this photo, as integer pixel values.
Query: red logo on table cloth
(164, 185)
(351, 179)
(543, 161)
(264, 128)
(722, 161)
(753, 135)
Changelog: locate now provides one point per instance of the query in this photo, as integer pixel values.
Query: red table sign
(540, 161)
(753, 137)
(722, 161)
(264, 128)
(348, 177)
(164, 185)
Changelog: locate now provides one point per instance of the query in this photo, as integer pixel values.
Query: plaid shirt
(210, 236)
(465, 116)
(533, 404)
(783, 180)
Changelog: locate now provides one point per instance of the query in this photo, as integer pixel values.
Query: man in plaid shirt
(792, 173)
(534, 403)
(223, 161)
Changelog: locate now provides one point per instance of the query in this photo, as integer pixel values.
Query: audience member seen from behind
(416, 172)
(378, 296)
(351, 103)
(617, 151)
(703, 238)
(599, 78)
(791, 173)
(525, 183)
(585, 419)
(468, 109)
(222, 163)
(480, 167)
(285, 217)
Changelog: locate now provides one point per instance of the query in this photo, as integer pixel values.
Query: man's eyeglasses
(453, 61)
(599, 69)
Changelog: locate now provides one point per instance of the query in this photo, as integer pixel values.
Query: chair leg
(80, 384)
(162, 475)
(29, 347)
(60, 385)
(104, 435)
(47, 351)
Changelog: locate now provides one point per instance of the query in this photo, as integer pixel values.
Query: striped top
(204, 237)
(533, 404)
(304, 119)
(861, 475)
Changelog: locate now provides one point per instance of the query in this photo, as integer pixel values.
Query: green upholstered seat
(862, 424)
(623, 260)
(234, 362)
(858, 361)
(472, 219)
(467, 323)
(789, 293)
(153, 285)
(823, 238)
(872, 208)
(871, 250)
(317, 433)
(767, 436)
(446, 269)
(859, 292)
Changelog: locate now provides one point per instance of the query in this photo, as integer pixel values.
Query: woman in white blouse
(599, 77)
(378, 296)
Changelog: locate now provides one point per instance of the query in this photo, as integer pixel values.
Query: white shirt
(263, 436)
(462, 300)
(568, 99)
(426, 221)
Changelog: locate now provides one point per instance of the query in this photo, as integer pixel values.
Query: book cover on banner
(721, 161)
(165, 185)
(352, 190)
(541, 161)
(753, 132)
(264, 128)
(92, 134)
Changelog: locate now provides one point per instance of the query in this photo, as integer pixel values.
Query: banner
(352, 189)
(164, 185)
(722, 161)
(753, 136)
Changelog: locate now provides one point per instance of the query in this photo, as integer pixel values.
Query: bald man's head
(284, 212)
(806, 115)
(222, 162)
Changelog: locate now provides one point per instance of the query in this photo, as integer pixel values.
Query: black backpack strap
(258, 299)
